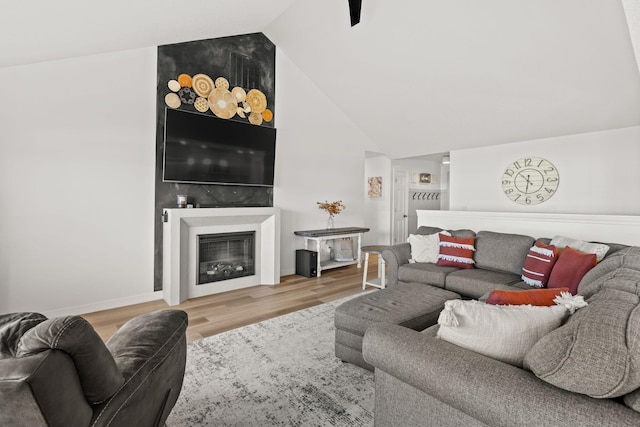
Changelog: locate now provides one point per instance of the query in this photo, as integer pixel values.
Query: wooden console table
(330, 234)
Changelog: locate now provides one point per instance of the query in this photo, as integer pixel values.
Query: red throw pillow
(538, 264)
(570, 268)
(456, 251)
(537, 297)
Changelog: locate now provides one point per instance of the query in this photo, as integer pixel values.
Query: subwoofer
(306, 263)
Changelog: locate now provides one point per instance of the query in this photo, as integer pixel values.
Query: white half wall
(622, 229)
(77, 183)
(599, 174)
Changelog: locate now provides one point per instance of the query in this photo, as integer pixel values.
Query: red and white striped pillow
(456, 251)
(538, 265)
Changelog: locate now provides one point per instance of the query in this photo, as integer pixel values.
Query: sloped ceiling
(417, 76)
(427, 76)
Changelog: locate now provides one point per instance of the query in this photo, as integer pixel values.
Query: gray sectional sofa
(423, 380)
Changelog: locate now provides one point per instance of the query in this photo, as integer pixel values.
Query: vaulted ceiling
(417, 76)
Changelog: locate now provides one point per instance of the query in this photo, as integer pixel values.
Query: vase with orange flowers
(333, 209)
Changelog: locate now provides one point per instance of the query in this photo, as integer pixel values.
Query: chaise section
(413, 305)
(419, 376)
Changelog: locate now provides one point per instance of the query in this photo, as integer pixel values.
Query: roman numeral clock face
(530, 181)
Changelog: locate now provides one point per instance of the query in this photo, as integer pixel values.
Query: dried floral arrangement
(333, 208)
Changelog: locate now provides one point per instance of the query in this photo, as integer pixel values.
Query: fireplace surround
(182, 230)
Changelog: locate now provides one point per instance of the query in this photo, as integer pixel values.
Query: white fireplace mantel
(180, 231)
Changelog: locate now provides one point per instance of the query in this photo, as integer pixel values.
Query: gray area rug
(280, 372)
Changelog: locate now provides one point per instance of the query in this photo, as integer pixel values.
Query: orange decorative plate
(267, 115)
(184, 80)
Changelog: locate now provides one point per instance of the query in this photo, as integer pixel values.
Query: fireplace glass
(225, 256)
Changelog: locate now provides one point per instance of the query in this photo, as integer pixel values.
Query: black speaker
(306, 263)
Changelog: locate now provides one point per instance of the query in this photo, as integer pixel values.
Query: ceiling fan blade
(354, 10)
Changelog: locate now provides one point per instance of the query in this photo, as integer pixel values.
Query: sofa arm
(491, 391)
(395, 256)
(42, 389)
(150, 351)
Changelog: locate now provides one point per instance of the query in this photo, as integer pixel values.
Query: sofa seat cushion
(502, 251)
(474, 283)
(413, 305)
(421, 272)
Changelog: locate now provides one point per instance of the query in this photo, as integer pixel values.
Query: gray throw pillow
(597, 352)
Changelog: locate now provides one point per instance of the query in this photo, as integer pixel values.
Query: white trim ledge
(623, 229)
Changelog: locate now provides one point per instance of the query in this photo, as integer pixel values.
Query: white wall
(599, 174)
(377, 211)
(416, 189)
(320, 156)
(77, 143)
(77, 178)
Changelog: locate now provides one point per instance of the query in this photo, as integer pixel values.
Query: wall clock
(530, 180)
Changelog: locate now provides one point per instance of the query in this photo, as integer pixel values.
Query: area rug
(280, 372)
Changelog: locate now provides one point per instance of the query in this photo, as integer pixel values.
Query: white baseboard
(104, 305)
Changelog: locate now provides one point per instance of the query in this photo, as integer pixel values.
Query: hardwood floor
(217, 313)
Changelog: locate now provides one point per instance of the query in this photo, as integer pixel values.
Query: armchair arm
(473, 383)
(42, 389)
(150, 351)
(395, 256)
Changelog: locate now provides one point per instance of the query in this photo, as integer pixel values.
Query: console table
(330, 234)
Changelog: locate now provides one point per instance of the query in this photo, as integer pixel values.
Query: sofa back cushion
(502, 251)
(423, 229)
(624, 263)
(597, 352)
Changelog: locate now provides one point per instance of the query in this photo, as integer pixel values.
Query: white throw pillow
(599, 249)
(425, 247)
(503, 332)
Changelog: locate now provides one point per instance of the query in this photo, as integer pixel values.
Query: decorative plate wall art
(204, 94)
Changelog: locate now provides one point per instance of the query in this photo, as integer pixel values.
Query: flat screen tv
(203, 149)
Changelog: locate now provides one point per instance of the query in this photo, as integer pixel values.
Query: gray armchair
(58, 372)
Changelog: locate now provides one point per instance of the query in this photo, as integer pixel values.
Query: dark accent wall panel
(247, 61)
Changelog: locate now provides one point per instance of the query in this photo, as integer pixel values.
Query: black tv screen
(203, 149)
